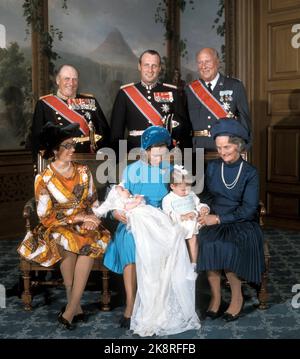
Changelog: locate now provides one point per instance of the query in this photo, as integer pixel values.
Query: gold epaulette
(170, 85)
(49, 94)
(123, 86)
(86, 94)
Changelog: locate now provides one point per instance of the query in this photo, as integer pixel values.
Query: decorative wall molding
(280, 5)
(230, 37)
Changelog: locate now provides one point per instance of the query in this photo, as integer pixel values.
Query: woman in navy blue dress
(231, 239)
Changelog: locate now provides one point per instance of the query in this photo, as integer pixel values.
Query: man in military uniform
(212, 97)
(68, 107)
(138, 106)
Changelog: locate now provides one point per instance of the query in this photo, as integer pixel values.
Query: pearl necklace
(63, 170)
(231, 185)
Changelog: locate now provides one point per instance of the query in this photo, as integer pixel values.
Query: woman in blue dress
(164, 303)
(231, 239)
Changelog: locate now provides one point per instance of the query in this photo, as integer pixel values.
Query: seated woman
(231, 238)
(68, 231)
(153, 248)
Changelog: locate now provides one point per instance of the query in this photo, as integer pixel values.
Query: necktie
(209, 87)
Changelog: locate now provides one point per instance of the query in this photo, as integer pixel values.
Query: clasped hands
(89, 221)
(206, 219)
(193, 215)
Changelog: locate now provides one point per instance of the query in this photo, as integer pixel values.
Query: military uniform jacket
(125, 115)
(202, 119)
(44, 113)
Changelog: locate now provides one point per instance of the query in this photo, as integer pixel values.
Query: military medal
(163, 96)
(226, 106)
(81, 104)
(87, 115)
(165, 108)
(226, 98)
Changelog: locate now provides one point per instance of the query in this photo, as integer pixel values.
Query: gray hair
(239, 142)
(57, 72)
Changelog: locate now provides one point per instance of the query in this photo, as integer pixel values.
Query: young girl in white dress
(165, 301)
(184, 207)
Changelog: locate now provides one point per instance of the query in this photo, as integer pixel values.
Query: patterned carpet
(281, 320)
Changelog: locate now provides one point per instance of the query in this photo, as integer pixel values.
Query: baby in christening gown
(165, 301)
(119, 198)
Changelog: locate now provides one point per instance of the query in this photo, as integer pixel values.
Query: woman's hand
(209, 220)
(79, 218)
(120, 216)
(89, 221)
(89, 225)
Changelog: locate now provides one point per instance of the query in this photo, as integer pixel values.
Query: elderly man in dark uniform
(69, 107)
(212, 97)
(138, 106)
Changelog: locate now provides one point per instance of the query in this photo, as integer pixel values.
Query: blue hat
(231, 127)
(155, 135)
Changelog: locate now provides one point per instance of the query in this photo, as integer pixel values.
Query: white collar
(149, 87)
(60, 95)
(214, 81)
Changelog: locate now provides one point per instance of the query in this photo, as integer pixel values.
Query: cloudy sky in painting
(86, 24)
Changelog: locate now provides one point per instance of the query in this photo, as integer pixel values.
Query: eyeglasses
(68, 146)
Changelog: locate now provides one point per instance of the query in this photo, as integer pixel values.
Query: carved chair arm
(262, 213)
(28, 211)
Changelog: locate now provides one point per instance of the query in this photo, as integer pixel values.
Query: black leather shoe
(81, 317)
(62, 310)
(213, 315)
(65, 323)
(227, 317)
(125, 322)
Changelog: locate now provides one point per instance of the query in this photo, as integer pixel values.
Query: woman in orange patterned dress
(68, 231)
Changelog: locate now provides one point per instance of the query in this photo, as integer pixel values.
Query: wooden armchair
(28, 267)
(262, 289)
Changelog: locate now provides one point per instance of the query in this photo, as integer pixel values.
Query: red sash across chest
(70, 115)
(207, 99)
(136, 97)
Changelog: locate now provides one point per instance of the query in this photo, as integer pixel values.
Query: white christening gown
(165, 300)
